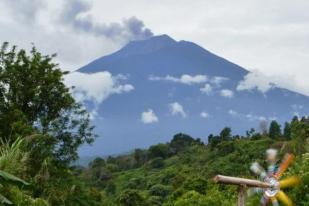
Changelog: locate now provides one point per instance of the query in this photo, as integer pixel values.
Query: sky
(267, 37)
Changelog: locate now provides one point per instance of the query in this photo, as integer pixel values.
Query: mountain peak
(164, 38)
(148, 45)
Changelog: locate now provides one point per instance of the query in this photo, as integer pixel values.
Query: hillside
(180, 172)
(179, 87)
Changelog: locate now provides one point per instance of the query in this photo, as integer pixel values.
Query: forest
(42, 126)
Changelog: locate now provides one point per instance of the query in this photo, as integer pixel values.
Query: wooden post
(243, 184)
(242, 195)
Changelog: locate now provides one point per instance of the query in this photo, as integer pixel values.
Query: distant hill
(180, 87)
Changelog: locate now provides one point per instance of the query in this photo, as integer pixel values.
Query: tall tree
(299, 135)
(226, 133)
(287, 130)
(274, 130)
(34, 99)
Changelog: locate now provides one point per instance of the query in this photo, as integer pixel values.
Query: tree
(131, 198)
(97, 162)
(226, 133)
(159, 150)
(140, 156)
(181, 141)
(192, 198)
(213, 141)
(34, 99)
(299, 136)
(250, 132)
(287, 131)
(157, 163)
(274, 130)
(159, 190)
(196, 184)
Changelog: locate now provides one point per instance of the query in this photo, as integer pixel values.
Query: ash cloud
(75, 15)
(24, 10)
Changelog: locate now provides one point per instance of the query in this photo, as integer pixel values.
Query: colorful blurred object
(272, 176)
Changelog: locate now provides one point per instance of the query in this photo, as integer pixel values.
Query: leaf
(4, 200)
(8, 177)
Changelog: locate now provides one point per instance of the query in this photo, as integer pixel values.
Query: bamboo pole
(240, 181)
(243, 184)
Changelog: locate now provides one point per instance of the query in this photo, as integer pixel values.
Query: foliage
(180, 172)
(274, 130)
(41, 128)
(301, 193)
(33, 98)
(13, 159)
(131, 198)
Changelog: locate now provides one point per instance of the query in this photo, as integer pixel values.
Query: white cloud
(296, 114)
(263, 83)
(149, 117)
(204, 115)
(176, 108)
(217, 80)
(207, 89)
(272, 118)
(297, 107)
(227, 93)
(255, 80)
(184, 79)
(250, 116)
(233, 112)
(95, 87)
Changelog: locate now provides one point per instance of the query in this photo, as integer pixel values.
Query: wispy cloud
(252, 117)
(249, 116)
(149, 117)
(183, 79)
(207, 89)
(232, 112)
(227, 93)
(218, 80)
(177, 109)
(204, 115)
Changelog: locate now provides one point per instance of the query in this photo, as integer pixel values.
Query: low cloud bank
(264, 83)
(96, 87)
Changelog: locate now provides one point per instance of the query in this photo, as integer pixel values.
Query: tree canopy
(34, 99)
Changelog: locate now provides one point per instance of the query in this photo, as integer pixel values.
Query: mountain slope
(163, 55)
(187, 88)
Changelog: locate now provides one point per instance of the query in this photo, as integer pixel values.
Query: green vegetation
(179, 173)
(42, 126)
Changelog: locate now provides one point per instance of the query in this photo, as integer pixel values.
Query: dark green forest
(42, 126)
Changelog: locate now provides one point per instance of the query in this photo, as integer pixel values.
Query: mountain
(182, 87)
